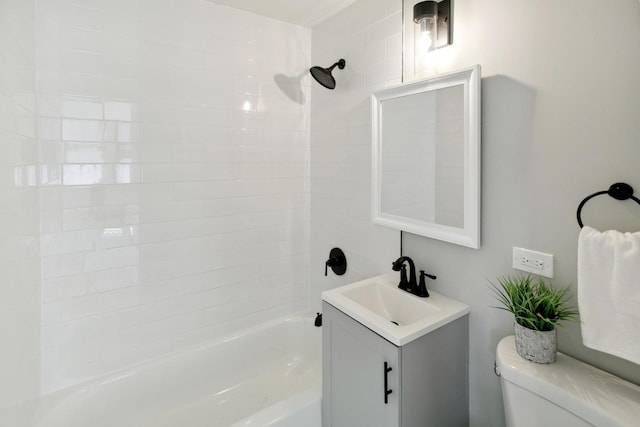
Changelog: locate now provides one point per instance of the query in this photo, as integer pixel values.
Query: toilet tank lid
(590, 393)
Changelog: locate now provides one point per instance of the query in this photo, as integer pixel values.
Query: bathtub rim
(47, 402)
(272, 414)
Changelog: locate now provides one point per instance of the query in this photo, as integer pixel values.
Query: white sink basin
(396, 315)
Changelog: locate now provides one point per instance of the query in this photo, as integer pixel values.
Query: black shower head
(323, 75)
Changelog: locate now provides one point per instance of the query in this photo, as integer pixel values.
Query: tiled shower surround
(172, 173)
(19, 243)
(368, 35)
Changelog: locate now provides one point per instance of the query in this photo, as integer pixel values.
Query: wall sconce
(433, 28)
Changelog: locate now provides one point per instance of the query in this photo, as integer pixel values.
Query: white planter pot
(536, 346)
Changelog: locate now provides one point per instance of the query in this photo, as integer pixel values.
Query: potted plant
(537, 308)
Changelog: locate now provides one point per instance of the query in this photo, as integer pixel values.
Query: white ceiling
(301, 12)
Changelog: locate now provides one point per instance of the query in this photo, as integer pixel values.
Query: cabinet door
(354, 376)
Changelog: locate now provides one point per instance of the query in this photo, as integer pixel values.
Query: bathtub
(266, 376)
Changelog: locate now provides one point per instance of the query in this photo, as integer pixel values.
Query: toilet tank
(566, 393)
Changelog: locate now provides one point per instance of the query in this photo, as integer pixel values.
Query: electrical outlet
(533, 262)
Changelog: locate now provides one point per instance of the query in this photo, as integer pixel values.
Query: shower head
(323, 75)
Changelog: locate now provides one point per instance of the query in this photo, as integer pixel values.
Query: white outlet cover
(531, 261)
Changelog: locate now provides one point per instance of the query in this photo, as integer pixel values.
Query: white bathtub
(267, 376)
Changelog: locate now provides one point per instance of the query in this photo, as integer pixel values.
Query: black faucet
(406, 285)
(411, 285)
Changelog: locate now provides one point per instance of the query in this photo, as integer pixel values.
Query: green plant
(534, 304)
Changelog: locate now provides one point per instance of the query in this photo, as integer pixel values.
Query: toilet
(566, 393)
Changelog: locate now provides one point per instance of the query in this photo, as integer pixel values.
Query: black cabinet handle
(387, 392)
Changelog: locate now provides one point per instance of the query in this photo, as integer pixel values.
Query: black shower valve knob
(331, 262)
(337, 261)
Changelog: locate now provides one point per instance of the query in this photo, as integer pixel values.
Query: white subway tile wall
(174, 174)
(368, 36)
(19, 243)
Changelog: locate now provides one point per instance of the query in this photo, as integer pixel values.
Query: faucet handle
(422, 286)
(404, 282)
(430, 276)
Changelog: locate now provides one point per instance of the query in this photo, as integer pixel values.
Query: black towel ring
(619, 191)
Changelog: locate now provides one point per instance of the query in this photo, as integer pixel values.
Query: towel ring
(619, 191)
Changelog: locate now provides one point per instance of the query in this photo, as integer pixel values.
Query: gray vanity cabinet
(353, 374)
(427, 384)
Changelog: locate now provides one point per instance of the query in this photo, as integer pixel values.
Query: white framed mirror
(426, 157)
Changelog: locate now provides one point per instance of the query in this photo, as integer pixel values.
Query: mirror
(426, 157)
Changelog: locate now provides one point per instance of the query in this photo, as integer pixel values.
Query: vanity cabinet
(370, 382)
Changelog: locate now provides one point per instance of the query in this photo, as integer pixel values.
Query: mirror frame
(469, 235)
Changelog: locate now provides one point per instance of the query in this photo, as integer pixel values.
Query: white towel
(609, 291)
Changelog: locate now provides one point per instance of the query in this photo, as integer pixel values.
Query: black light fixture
(433, 28)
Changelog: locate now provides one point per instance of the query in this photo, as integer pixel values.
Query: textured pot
(536, 346)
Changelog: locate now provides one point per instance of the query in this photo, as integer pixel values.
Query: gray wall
(561, 99)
